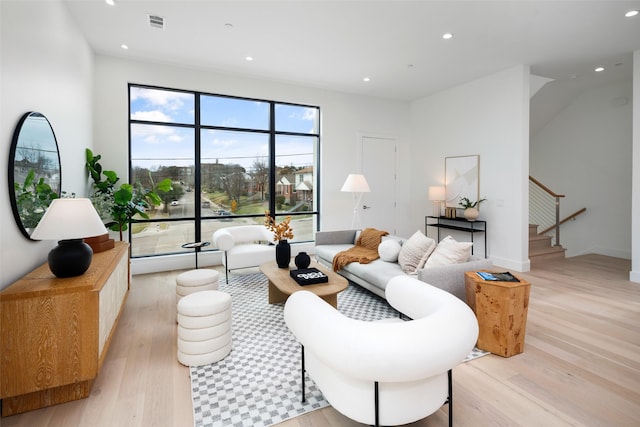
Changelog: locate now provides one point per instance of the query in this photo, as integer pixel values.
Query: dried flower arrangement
(281, 231)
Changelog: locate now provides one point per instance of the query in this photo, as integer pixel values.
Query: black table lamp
(69, 220)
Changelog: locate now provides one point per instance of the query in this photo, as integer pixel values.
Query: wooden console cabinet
(55, 332)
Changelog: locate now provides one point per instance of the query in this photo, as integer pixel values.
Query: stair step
(533, 230)
(539, 242)
(552, 253)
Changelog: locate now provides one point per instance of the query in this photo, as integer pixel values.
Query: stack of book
(308, 276)
(498, 277)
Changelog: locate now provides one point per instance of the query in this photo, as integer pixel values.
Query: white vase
(471, 214)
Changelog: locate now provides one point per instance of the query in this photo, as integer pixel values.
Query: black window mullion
(197, 211)
(272, 158)
(129, 156)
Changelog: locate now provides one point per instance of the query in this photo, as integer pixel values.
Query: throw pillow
(449, 251)
(398, 239)
(389, 250)
(413, 250)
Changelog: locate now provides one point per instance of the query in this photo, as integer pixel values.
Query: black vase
(302, 260)
(283, 254)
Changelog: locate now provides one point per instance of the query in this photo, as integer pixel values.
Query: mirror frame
(12, 164)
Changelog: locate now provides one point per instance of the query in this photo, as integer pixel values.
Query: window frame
(197, 127)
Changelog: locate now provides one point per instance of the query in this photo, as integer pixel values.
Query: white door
(378, 208)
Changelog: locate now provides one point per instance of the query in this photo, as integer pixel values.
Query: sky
(156, 145)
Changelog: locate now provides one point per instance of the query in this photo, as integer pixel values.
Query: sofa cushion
(378, 272)
(449, 251)
(389, 250)
(327, 252)
(413, 250)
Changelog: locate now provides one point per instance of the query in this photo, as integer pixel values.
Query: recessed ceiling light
(599, 69)
(366, 79)
(447, 36)
(110, 2)
(249, 58)
(124, 46)
(631, 13)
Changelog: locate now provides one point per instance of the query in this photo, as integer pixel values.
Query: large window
(229, 159)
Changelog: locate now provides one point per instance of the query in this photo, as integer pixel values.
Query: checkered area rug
(258, 383)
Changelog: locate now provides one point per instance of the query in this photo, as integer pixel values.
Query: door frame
(360, 148)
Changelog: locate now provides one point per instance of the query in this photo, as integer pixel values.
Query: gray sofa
(375, 275)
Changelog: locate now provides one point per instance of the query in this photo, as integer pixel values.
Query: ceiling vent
(156, 21)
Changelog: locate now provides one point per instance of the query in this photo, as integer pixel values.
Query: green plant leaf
(28, 181)
(124, 195)
(164, 185)
(112, 177)
(154, 198)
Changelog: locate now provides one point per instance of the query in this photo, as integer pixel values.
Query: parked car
(223, 213)
(174, 202)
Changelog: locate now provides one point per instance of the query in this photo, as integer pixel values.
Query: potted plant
(125, 202)
(470, 211)
(281, 233)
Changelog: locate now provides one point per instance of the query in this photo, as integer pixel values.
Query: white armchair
(244, 246)
(387, 373)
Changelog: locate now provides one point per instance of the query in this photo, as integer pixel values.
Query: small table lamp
(69, 221)
(356, 184)
(437, 196)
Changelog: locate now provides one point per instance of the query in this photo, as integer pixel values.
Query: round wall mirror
(34, 170)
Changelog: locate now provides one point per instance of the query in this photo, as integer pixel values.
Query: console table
(459, 224)
(55, 332)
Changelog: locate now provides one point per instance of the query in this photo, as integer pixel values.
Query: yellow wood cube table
(501, 309)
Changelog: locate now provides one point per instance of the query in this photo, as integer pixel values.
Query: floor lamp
(356, 185)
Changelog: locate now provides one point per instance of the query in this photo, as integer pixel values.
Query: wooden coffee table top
(281, 279)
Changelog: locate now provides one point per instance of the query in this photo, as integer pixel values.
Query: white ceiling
(397, 44)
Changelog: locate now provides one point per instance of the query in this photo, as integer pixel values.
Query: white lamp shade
(69, 218)
(436, 193)
(356, 183)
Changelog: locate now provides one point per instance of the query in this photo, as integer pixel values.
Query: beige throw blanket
(365, 250)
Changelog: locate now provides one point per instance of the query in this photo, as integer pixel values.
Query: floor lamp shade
(356, 183)
(69, 221)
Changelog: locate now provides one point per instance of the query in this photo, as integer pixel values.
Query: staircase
(540, 248)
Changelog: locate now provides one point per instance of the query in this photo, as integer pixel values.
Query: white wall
(584, 152)
(488, 117)
(635, 222)
(45, 66)
(344, 117)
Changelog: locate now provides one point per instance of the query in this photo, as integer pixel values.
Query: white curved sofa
(244, 246)
(409, 362)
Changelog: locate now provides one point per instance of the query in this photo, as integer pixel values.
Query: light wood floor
(580, 366)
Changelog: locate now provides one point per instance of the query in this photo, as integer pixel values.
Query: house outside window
(230, 159)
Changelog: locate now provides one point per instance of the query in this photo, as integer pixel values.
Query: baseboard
(510, 264)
